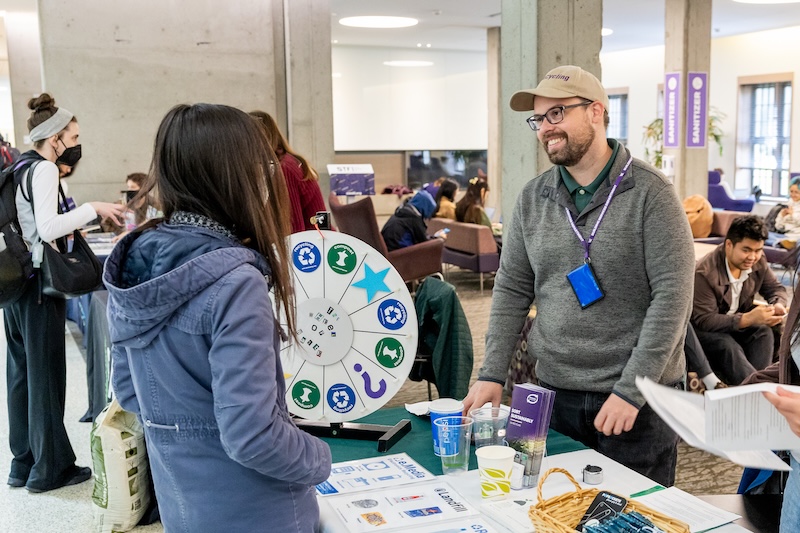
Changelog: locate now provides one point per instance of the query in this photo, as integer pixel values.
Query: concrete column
(24, 68)
(537, 36)
(120, 66)
(494, 161)
(309, 87)
(688, 49)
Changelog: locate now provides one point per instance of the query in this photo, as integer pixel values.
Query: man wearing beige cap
(600, 243)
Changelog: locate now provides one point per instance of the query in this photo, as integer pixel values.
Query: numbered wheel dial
(356, 329)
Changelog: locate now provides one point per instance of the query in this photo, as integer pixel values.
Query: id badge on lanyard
(583, 279)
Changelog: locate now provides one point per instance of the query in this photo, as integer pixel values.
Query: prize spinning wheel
(356, 329)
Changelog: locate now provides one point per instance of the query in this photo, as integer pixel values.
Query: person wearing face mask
(43, 458)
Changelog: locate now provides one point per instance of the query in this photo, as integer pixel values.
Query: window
(618, 117)
(764, 136)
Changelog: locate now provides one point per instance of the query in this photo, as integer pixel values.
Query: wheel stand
(386, 436)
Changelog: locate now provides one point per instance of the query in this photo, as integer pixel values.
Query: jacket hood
(424, 203)
(149, 275)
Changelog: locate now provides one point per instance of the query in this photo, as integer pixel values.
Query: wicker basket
(562, 513)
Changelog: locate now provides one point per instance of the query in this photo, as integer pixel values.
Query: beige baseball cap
(562, 82)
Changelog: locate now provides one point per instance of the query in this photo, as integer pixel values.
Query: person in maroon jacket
(305, 195)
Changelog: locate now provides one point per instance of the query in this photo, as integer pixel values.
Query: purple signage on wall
(672, 93)
(696, 109)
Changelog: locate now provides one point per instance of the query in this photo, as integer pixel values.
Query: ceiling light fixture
(407, 63)
(428, 45)
(378, 22)
(605, 32)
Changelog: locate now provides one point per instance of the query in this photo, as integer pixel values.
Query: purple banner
(696, 109)
(672, 95)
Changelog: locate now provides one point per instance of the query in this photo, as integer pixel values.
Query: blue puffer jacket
(194, 350)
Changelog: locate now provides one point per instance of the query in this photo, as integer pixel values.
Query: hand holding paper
(788, 404)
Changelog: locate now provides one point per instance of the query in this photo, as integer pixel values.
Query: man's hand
(761, 315)
(779, 309)
(482, 392)
(786, 211)
(616, 416)
(788, 404)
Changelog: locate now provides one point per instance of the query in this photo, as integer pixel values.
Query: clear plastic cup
(454, 442)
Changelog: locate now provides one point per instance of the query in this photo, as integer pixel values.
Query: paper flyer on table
(697, 514)
(466, 525)
(372, 473)
(737, 425)
(406, 507)
(511, 513)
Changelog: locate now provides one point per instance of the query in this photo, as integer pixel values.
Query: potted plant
(653, 136)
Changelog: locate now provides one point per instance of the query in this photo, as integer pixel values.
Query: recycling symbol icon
(306, 257)
(392, 314)
(341, 398)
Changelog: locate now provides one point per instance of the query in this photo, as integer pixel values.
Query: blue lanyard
(588, 242)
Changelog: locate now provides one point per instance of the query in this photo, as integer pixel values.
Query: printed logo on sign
(306, 257)
(342, 259)
(532, 399)
(392, 314)
(305, 394)
(389, 352)
(341, 398)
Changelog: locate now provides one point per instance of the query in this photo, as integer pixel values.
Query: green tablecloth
(419, 443)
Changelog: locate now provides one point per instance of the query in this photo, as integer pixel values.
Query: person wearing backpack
(43, 458)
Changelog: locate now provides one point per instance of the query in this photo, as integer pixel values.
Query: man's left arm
(669, 262)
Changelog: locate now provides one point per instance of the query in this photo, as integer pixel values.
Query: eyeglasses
(554, 115)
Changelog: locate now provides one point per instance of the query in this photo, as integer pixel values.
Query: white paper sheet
(407, 508)
(699, 515)
(373, 473)
(686, 414)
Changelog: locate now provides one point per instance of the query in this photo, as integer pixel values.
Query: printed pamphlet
(373, 473)
(408, 507)
(736, 423)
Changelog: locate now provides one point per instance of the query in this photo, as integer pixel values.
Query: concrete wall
(121, 66)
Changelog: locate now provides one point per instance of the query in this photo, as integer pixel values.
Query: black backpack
(16, 266)
(769, 220)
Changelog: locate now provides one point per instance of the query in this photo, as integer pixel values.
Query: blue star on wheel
(373, 282)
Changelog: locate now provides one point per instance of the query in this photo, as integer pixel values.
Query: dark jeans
(37, 382)
(734, 356)
(650, 448)
(696, 360)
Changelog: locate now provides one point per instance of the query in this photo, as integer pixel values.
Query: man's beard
(575, 147)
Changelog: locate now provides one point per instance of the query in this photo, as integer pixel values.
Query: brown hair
(468, 208)
(279, 144)
(139, 178)
(214, 161)
(42, 107)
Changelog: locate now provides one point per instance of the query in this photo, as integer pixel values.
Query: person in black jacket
(407, 226)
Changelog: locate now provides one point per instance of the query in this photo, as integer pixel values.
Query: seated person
(736, 334)
(696, 361)
(446, 199)
(788, 220)
(139, 212)
(470, 208)
(407, 226)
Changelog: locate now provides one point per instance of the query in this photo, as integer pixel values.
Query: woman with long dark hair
(446, 198)
(470, 208)
(305, 196)
(37, 375)
(195, 340)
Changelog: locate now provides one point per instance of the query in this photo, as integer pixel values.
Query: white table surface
(616, 478)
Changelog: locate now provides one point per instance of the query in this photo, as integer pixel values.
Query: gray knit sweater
(644, 259)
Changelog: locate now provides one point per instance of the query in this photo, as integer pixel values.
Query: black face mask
(70, 156)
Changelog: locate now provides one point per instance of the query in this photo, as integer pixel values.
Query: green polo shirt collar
(583, 195)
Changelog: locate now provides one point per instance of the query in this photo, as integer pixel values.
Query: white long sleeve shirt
(48, 224)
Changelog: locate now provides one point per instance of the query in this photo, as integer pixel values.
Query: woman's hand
(113, 212)
(788, 404)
